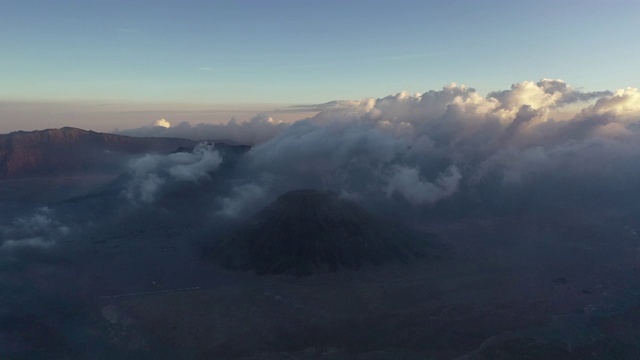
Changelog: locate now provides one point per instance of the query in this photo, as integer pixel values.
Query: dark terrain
(127, 280)
(305, 231)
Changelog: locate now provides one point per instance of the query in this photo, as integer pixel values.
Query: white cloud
(242, 199)
(428, 147)
(162, 123)
(151, 172)
(408, 182)
(624, 104)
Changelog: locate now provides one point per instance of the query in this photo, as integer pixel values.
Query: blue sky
(293, 52)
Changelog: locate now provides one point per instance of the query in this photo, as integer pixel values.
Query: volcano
(309, 230)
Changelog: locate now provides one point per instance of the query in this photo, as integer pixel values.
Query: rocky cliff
(69, 150)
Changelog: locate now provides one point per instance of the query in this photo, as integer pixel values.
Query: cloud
(36, 242)
(162, 123)
(415, 152)
(407, 182)
(39, 230)
(623, 104)
(546, 93)
(331, 105)
(454, 143)
(151, 172)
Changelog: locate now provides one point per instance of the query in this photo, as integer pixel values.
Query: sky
(104, 64)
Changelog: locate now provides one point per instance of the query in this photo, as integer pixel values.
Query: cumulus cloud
(151, 172)
(162, 123)
(545, 94)
(417, 151)
(426, 148)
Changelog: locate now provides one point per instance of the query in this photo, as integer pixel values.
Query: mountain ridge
(67, 150)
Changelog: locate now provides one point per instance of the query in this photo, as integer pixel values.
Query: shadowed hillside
(68, 150)
(307, 230)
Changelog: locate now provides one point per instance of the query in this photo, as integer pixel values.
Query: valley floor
(498, 298)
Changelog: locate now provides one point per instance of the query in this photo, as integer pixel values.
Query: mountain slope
(69, 150)
(307, 230)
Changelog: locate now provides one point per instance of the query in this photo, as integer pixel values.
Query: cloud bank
(454, 145)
